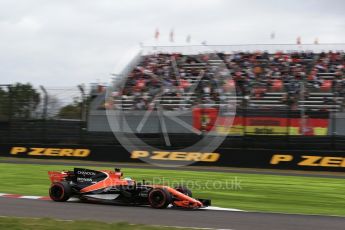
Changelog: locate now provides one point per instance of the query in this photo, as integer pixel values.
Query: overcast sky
(68, 42)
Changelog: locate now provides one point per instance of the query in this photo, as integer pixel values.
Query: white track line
(223, 209)
(31, 197)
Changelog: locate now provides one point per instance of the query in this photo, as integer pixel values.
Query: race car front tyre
(60, 191)
(159, 198)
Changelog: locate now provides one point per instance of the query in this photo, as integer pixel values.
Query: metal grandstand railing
(271, 48)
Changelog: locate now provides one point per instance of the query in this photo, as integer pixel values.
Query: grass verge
(251, 192)
(14, 223)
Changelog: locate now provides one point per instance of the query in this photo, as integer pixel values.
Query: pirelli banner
(246, 158)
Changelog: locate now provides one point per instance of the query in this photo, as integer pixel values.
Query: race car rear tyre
(60, 191)
(184, 190)
(159, 198)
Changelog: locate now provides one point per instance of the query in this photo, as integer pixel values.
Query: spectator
(194, 79)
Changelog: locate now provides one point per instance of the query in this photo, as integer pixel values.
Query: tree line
(23, 101)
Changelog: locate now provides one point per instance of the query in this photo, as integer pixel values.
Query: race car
(110, 187)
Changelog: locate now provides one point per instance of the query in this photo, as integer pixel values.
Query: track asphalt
(167, 217)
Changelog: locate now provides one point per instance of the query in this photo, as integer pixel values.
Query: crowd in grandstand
(176, 81)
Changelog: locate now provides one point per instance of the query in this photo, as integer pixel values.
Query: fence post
(45, 103)
(244, 116)
(44, 112)
(10, 111)
(333, 118)
(82, 112)
(288, 126)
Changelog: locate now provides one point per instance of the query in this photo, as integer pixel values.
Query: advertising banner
(209, 119)
(273, 126)
(226, 157)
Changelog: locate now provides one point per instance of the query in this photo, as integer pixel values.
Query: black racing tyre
(184, 190)
(159, 198)
(60, 191)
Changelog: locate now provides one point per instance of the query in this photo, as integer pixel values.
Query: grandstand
(296, 80)
(282, 79)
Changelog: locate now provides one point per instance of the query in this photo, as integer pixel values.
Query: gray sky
(66, 42)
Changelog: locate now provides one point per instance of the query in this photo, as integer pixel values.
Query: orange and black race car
(110, 187)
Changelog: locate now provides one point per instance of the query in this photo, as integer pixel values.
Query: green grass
(257, 192)
(10, 223)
